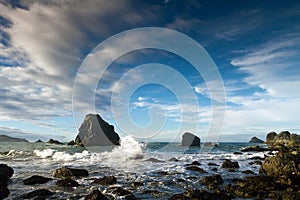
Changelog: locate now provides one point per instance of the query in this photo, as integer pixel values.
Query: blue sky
(255, 46)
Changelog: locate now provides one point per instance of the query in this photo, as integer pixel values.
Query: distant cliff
(5, 138)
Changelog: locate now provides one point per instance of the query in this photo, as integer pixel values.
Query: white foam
(46, 153)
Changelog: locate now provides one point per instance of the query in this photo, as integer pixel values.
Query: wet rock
(189, 139)
(71, 143)
(248, 172)
(212, 182)
(162, 173)
(254, 148)
(137, 184)
(237, 153)
(66, 172)
(51, 141)
(284, 167)
(68, 182)
(35, 179)
(196, 163)
(173, 159)
(256, 140)
(120, 192)
(154, 193)
(229, 164)
(4, 192)
(96, 195)
(214, 169)
(199, 194)
(254, 186)
(256, 158)
(154, 160)
(41, 193)
(212, 164)
(196, 169)
(106, 180)
(6, 173)
(94, 131)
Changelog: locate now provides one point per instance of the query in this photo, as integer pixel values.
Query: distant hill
(5, 138)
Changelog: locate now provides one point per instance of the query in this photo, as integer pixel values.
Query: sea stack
(189, 139)
(256, 140)
(94, 131)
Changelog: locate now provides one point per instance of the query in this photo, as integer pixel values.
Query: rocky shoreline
(278, 178)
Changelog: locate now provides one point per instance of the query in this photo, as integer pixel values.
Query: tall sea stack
(94, 131)
(189, 139)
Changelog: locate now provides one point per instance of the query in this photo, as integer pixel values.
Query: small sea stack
(189, 139)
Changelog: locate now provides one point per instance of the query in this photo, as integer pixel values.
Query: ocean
(161, 167)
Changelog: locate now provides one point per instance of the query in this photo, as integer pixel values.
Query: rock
(154, 160)
(162, 173)
(6, 173)
(36, 180)
(189, 139)
(194, 163)
(212, 182)
(137, 184)
(256, 162)
(67, 183)
(284, 167)
(106, 180)
(254, 148)
(71, 143)
(255, 140)
(256, 158)
(270, 137)
(254, 186)
(229, 164)
(94, 131)
(51, 141)
(4, 192)
(120, 192)
(5, 138)
(212, 164)
(248, 172)
(237, 153)
(173, 159)
(39, 141)
(96, 195)
(199, 194)
(41, 193)
(66, 172)
(196, 169)
(210, 144)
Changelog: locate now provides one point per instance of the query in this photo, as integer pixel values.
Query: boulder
(106, 180)
(66, 172)
(4, 192)
(212, 182)
(284, 167)
(68, 182)
(189, 139)
(94, 131)
(270, 137)
(95, 195)
(71, 143)
(229, 164)
(196, 169)
(36, 180)
(255, 140)
(6, 173)
(120, 192)
(40, 194)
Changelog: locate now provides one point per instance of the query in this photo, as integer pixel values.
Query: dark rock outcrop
(229, 164)
(254, 148)
(106, 180)
(39, 141)
(39, 194)
(51, 141)
(66, 172)
(36, 180)
(120, 192)
(212, 182)
(94, 131)
(71, 143)
(6, 173)
(189, 139)
(4, 192)
(95, 195)
(5, 138)
(283, 141)
(255, 140)
(284, 167)
(68, 182)
(196, 169)
(200, 194)
(270, 137)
